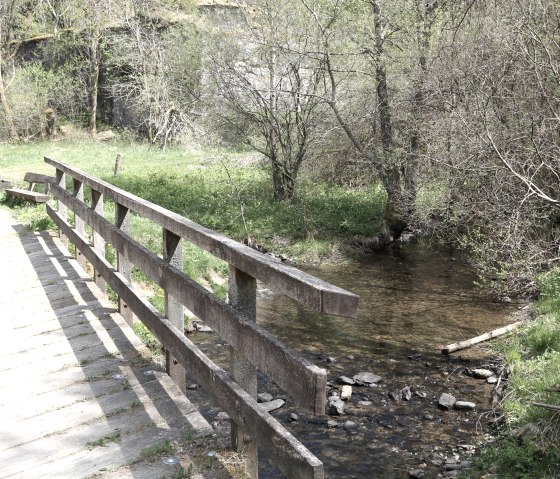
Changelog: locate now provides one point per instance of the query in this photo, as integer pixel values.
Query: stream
(412, 302)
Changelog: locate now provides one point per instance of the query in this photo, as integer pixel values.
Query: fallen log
(451, 348)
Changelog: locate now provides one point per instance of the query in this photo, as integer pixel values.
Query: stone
(331, 359)
(365, 403)
(348, 425)
(446, 401)
(346, 380)
(201, 328)
(331, 424)
(464, 405)
(293, 417)
(272, 405)
(480, 373)
(364, 379)
(416, 474)
(336, 408)
(193, 386)
(420, 394)
(264, 397)
(395, 396)
(350, 356)
(492, 380)
(222, 416)
(346, 393)
(406, 393)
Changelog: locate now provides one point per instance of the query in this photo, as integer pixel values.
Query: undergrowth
(528, 444)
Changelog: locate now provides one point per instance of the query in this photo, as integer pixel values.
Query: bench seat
(28, 195)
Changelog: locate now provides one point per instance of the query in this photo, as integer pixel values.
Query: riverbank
(527, 440)
(230, 191)
(225, 190)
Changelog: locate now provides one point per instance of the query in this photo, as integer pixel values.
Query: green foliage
(103, 441)
(533, 355)
(320, 212)
(33, 90)
(163, 447)
(513, 459)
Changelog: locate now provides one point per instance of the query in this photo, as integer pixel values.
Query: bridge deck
(79, 394)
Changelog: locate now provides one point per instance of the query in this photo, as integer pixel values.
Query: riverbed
(412, 301)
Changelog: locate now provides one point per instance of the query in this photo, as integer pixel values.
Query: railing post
(79, 224)
(243, 297)
(173, 254)
(98, 240)
(62, 210)
(122, 221)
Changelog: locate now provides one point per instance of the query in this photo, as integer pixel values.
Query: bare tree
(270, 88)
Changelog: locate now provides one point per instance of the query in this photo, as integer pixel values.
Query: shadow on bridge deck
(79, 393)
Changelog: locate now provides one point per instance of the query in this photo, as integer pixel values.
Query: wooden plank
(242, 294)
(124, 266)
(307, 289)
(60, 181)
(37, 178)
(98, 241)
(28, 195)
(265, 351)
(173, 255)
(78, 191)
(287, 453)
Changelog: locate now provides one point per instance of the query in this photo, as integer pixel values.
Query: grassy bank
(226, 191)
(528, 442)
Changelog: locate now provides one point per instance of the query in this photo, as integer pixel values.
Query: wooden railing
(252, 347)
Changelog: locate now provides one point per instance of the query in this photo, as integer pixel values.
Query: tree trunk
(94, 81)
(283, 182)
(395, 213)
(6, 107)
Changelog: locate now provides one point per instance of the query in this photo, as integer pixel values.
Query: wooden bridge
(79, 393)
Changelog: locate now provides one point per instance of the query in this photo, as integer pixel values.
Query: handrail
(235, 321)
(311, 291)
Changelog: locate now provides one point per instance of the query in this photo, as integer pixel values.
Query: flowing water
(411, 303)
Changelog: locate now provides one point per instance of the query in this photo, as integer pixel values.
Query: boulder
(272, 405)
(365, 379)
(346, 380)
(464, 405)
(264, 397)
(346, 393)
(336, 408)
(446, 401)
(480, 373)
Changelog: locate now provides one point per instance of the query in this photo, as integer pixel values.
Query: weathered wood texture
(251, 345)
(307, 289)
(29, 194)
(72, 374)
(261, 348)
(288, 454)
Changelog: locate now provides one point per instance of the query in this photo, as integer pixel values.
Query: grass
(533, 355)
(163, 447)
(195, 183)
(103, 441)
(223, 190)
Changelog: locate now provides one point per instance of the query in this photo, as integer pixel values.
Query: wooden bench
(29, 194)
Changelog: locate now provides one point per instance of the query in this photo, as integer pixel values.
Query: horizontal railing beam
(265, 351)
(307, 289)
(286, 452)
